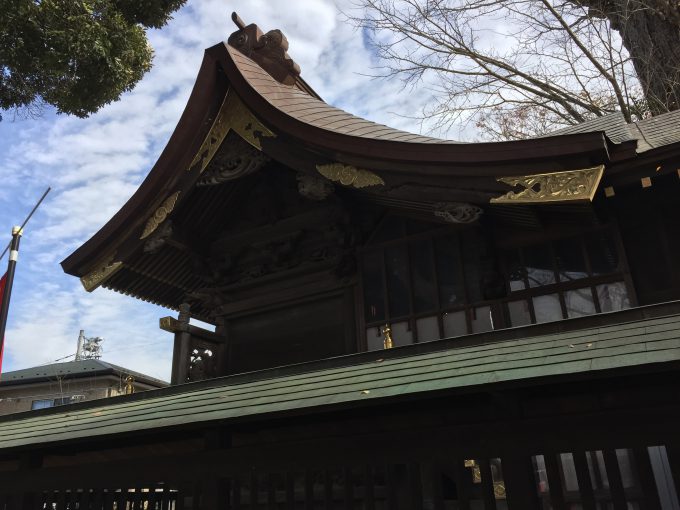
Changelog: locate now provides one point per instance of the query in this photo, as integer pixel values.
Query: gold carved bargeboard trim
(160, 214)
(96, 277)
(570, 185)
(348, 175)
(234, 115)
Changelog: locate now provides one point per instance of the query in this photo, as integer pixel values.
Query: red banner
(2, 293)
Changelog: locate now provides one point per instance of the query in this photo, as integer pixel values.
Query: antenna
(89, 348)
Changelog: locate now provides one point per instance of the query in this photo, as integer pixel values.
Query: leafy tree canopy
(76, 55)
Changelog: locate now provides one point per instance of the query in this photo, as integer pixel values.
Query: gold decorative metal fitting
(350, 176)
(567, 186)
(476, 472)
(129, 385)
(609, 192)
(160, 215)
(103, 272)
(387, 336)
(646, 182)
(234, 115)
(169, 324)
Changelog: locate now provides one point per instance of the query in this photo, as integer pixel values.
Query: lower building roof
(74, 369)
(652, 343)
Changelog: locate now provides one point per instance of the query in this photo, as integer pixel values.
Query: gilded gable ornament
(567, 186)
(350, 176)
(160, 215)
(233, 115)
(100, 274)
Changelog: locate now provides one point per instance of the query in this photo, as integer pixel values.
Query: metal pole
(11, 268)
(27, 218)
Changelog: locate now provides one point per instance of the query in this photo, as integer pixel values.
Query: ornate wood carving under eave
(103, 272)
(567, 186)
(160, 214)
(234, 159)
(350, 176)
(233, 115)
(313, 188)
(457, 212)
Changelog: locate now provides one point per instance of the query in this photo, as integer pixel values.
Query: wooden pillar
(182, 347)
(222, 349)
(29, 462)
(519, 482)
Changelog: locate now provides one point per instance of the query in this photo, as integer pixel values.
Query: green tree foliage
(76, 55)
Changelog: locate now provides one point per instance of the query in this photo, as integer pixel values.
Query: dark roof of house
(650, 344)
(74, 369)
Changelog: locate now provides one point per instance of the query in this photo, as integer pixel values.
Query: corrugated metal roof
(643, 342)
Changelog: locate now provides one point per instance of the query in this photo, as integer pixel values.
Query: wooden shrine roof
(255, 93)
(648, 344)
(652, 133)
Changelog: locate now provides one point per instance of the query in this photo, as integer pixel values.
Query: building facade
(60, 384)
(400, 321)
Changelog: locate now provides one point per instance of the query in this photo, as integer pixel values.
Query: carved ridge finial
(268, 50)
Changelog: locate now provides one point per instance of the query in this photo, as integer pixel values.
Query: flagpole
(9, 275)
(9, 280)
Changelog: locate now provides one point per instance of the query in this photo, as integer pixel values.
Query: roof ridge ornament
(268, 50)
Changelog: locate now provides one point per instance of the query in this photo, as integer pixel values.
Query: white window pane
(547, 308)
(519, 313)
(401, 334)
(612, 296)
(374, 340)
(579, 302)
(42, 404)
(481, 320)
(454, 324)
(428, 329)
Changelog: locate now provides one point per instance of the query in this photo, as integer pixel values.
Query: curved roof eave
(204, 102)
(260, 92)
(220, 71)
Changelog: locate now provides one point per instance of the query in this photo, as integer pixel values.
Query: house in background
(58, 384)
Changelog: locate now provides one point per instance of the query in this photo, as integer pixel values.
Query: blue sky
(94, 165)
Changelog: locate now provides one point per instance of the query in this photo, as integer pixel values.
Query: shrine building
(401, 322)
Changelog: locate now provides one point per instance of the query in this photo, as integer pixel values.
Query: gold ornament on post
(387, 336)
(129, 385)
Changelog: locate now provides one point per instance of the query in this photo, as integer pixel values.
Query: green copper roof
(643, 342)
